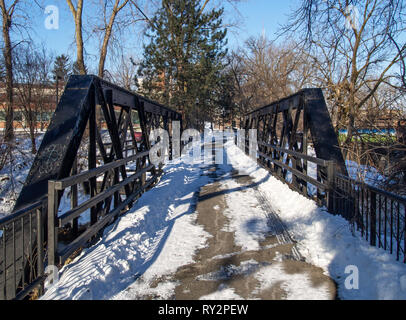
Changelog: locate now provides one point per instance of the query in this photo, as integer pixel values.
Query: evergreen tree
(183, 60)
(61, 68)
(225, 107)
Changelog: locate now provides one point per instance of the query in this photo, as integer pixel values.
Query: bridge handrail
(86, 175)
(319, 161)
(20, 213)
(73, 213)
(324, 164)
(101, 216)
(382, 192)
(16, 281)
(295, 172)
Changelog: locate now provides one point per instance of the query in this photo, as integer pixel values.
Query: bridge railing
(22, 252)
(128, 148)
(93, 129)
(285, 130)
(104, 206)
(280, 161)
(379, 215)
(292, 168)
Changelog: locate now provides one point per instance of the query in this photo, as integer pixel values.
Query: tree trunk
(32, 124)
(9, 130)
(79, 40)
(77, 15)
(103, 54)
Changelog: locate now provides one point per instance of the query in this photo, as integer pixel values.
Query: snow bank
(326, 240)
(153, 239)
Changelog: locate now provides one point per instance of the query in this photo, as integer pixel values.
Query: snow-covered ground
(160, 234)
(356, 171)
(14, 173)
(326, 240)
(154, 238)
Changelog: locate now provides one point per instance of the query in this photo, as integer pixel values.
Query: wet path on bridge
(223, 265)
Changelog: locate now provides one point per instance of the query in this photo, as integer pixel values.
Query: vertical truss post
(53, 200)
(114, 133)
(40, 246)
(92, 151)
(74, 198)
(304, 138)
(331, 186)
(145, 137)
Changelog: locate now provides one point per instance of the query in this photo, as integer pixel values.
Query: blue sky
(261, 15)
(255, 17)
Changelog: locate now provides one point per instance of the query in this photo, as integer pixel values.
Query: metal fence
(22, 253)
(93, 117)
(379, 215)
(103, 206)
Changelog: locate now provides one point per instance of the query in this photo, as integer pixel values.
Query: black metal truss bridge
(98, 142)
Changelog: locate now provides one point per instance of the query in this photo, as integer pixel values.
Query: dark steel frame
(284, 129)
(377, 214)
(21, 258)
(87, 102)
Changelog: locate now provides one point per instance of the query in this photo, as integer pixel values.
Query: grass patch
(383, 139)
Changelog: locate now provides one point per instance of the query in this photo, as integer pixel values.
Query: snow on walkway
(154, 238)
(160, 234)
(326, 240)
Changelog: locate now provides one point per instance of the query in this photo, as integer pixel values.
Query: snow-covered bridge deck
(213, 232)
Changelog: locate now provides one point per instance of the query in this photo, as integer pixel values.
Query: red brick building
(40, 100)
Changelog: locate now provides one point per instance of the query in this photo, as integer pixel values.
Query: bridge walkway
(205, 231)
(249, 253)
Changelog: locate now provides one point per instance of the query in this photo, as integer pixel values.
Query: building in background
(39, 100)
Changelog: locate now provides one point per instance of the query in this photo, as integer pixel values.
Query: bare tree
(77, 12)
(110, 11)
(7, 18)
(2, 69)
(353, 46)
(242, 96)
(32, 71)
(125, 72)
(264, 72)
(112, 19)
